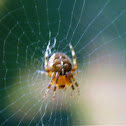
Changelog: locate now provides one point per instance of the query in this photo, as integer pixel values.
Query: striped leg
(76, 85)
(46, 58)
(76, 72)
(72, 86)
(54, 91)
(65, 88)
(74, 58)
(42, 72)
(48, 86)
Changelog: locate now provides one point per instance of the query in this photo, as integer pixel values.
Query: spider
(59, 68)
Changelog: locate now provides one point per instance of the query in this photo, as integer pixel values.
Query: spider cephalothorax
(59, 68)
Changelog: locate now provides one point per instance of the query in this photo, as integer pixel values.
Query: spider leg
(54, 93)
(42, 72)
(49, 85)
(72, 86)
(76, 85)
(46, 58)
(65, 88)
(76, 72)
(74, 58)
(56, 78)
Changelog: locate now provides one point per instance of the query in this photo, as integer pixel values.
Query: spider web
(96, 30)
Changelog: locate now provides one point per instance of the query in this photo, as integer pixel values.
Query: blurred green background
(97, 31)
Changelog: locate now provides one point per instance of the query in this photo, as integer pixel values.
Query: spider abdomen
(59, 62)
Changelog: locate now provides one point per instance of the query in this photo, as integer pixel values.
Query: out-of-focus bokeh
(97, 31)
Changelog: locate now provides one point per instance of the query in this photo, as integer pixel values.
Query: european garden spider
(59, 68)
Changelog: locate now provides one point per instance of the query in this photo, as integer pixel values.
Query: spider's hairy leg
(72, 86)
(76, 85)
(49, 85)
(46, 58)
(76, 72)
(42, 72)
(65, 88)
(56, 78)
(74, 58)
